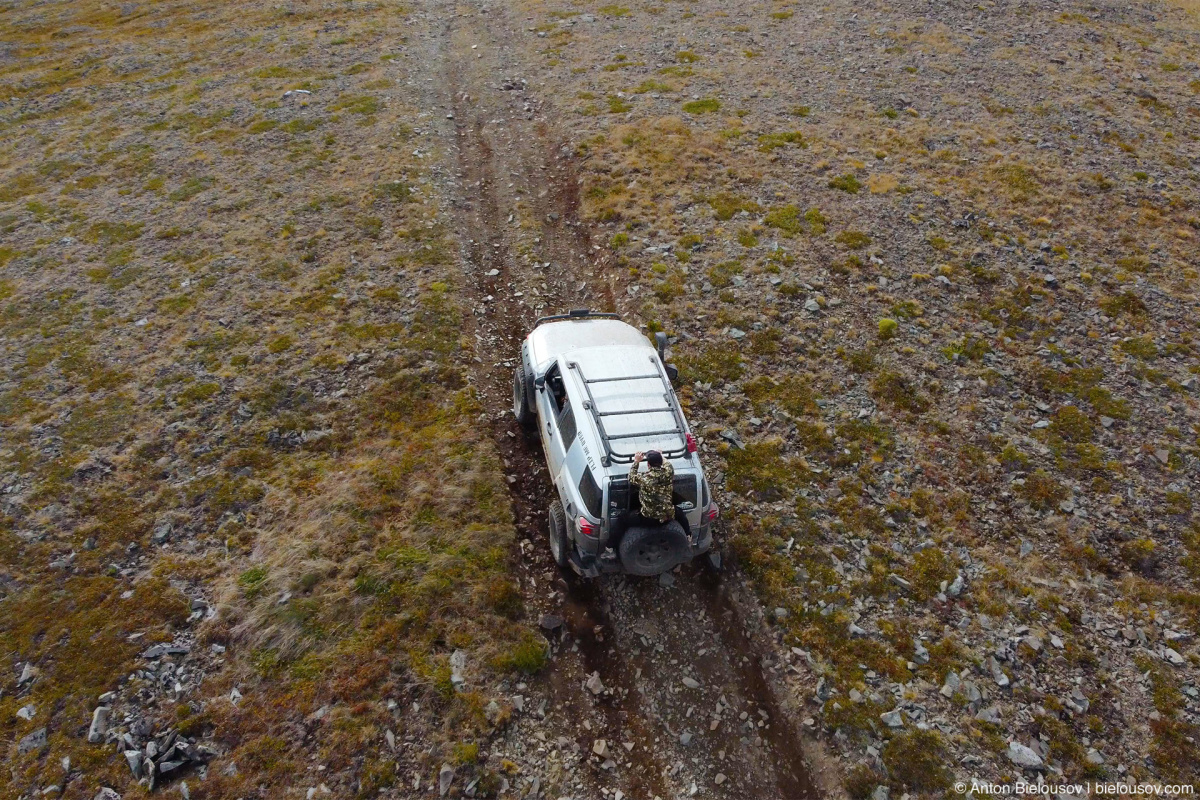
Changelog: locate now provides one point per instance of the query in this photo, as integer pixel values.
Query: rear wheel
(521, 409)
(652, 551)
(558, 535)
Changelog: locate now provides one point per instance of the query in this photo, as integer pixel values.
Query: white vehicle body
(599, 392)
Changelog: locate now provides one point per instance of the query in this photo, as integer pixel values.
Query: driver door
(554, 408)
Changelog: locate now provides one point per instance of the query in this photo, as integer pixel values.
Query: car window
(566, 425)
(589, 491)
(685, 489)
(704, 494)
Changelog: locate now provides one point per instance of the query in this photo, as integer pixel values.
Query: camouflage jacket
(656, 487)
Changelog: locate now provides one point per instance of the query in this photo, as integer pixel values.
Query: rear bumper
(606, 563)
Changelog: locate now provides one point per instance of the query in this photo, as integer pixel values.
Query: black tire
(559, 542)
(649, 551)
(521, 409)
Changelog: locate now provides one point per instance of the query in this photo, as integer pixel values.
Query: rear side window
(704, 498)
(685, 489)
(566, 425)
(590, 492)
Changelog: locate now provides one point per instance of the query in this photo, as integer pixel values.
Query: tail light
(588, 528)
(691, 442)
(712, 513)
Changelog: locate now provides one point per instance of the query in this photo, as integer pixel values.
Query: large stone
(458, 662)
(990, 714)
(1077, 702)
(134, 759)
(997, 673)
(445, 778)
(35, 741)
(1023, 757)
(893, 718)
(691, 683)
(594, 684)
(99, 724)
(1173, 656)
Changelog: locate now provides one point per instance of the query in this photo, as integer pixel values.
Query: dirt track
(516, 198)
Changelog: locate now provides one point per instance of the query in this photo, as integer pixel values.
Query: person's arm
(633, 471)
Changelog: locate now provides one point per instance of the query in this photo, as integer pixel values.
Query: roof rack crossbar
(647, 434)
(661, 410)
(622, 378)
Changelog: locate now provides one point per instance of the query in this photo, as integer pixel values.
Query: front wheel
(521, 409)
(558, 535)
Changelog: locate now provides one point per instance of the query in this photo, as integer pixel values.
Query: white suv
(598, 392)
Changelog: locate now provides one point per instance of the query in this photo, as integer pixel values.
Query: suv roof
(618, 388)
(630, 400)
(552, 339)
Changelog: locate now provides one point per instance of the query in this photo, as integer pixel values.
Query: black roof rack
(577, 313)
(669, 406)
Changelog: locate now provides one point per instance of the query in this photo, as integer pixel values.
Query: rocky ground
(928, 271)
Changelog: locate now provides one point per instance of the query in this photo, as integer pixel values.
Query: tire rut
(527, 254)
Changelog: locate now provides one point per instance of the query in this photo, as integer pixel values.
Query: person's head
(654, 459)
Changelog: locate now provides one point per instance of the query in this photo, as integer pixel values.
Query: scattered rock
(445, 778)
(893, 718)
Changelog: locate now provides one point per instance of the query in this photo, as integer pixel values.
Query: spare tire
(652, 550)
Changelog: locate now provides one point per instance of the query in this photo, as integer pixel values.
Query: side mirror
(540, 382)
(672, 372)
(660, 342)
